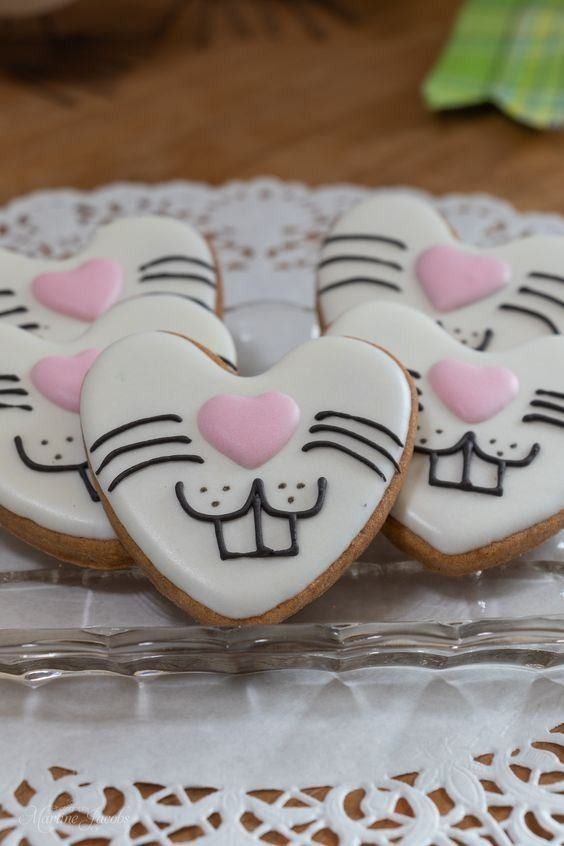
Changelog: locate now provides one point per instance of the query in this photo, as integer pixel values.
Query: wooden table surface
(219, 89)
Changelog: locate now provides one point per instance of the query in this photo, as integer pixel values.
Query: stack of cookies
(431, 409)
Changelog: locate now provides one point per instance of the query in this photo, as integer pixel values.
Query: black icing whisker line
(549, 277)
(555, 394)
(332, 445)
(359, 280)
(524, 289)
(28, 326)
(369, 259)
(9, 377)
(353, 236)
(339, 430)
(550, 406)
(173, 439)
(542, 418)
(133, 424)
(4, 405)
(180, 277)
(80, 468)
(16, 392)
(323, 415)
(414, 373)
(173, 258)
(163, 459)
(16, 310)
(530, 313)
(6, 292)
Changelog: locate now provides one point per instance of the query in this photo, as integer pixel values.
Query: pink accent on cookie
(85, 292)
(452, 277)
(249, 430)
(60, 378)
(473, 394)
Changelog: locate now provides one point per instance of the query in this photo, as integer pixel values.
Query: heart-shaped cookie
(396, 248)
(251, 532)
(47, 495)
(133, 256)
(487, 478)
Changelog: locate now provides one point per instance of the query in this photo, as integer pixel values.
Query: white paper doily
(383, 756)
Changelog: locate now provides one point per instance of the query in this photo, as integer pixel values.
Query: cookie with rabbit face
(47, 495)
(395, 248)
(486, 481)
(146, 255)
(284, 479)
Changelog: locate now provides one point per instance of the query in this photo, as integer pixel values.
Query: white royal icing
(506, 387)
(158, 374)
(146, 254)
(411, 257)
(60, 500)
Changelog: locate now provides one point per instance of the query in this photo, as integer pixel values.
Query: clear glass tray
(57, 619)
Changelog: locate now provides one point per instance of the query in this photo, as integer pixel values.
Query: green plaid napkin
(507, 52)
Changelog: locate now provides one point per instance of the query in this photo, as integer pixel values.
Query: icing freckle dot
(493, 441)
(226, 488)
(44, 443)
(300, 485)
(281, 486)
(290, 499)
(513, 446)
(203, 490)
(423, 440)
(215, 503)
(457, 331)
(69, 439)
(439, 431)
(58, 456)
(500, 452)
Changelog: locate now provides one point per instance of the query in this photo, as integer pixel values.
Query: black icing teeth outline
(468, 446)
(80, 468)
(256, 502)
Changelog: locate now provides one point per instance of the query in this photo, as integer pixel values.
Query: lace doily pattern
(266, 232)
(514, 797)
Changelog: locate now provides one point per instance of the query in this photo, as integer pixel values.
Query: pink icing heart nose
(60, 379)
(473, 394)
(452, 278)
(85, 292)
(249, 430)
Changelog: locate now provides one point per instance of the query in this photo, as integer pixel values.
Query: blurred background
(93, 91)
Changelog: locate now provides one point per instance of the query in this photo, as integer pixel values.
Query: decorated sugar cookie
(47, 496)
(394, 248)
(133, 256)
(282, 479)
(487, 478)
